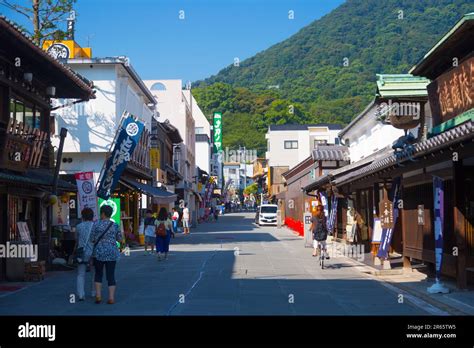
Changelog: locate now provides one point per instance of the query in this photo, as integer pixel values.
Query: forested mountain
(326, 71)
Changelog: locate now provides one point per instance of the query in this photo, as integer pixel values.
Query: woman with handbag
(84, 250)
(105, 235)
(163, 234)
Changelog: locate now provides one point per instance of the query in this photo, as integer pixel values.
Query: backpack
(321, 231)
(161, 230)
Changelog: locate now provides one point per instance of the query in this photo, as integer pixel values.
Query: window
(29, 116)
(291, 144)
(199, 130)
(26, 113)
(158, 87)
(232, 171)
(320, 142)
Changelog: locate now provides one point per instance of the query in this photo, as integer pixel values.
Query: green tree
(45, 16)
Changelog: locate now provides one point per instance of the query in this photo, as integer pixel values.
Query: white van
(267, 214)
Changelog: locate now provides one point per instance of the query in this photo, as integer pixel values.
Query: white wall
(279, 156)
(368, 135)
(203, 155)
(92, 125)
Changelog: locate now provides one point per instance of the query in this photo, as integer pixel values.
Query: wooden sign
(421, 215)
(452, 93)
(386, 213)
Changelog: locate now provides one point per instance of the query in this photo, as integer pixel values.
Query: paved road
(271, 274)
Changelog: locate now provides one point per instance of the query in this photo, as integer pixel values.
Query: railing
(23, 146)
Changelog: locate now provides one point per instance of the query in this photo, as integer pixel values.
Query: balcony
(24, 147)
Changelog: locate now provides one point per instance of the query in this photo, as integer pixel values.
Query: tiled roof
(325, 179)
(330, 153)
(453, 136)
(297, 127)
(80, 81)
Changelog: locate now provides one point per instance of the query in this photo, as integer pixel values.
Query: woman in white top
(163, 242)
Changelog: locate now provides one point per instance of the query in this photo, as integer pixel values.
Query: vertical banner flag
(387, 233)
(438, 196)
(86, 193)
(332, 214)
(324, 201)
(127, 139)
(217, 128)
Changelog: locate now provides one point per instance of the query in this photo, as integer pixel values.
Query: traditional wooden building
(29, 78)
(295, 202)
(441, 148)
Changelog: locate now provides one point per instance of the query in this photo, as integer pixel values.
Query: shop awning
(459, 134)
(35, 177)
(148, 189)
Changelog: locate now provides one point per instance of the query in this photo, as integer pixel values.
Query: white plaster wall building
(203, 133)
(290, 144)
(92, 125)
(172, 105)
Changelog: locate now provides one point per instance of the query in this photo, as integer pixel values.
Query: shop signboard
(386, 213)
(155, 158)
(421, 215)
(217, 132)
(126, 141)
(60, 213)
(115, 204)
(87, 195)
(452, 93)
(308, 234)
(389, 219)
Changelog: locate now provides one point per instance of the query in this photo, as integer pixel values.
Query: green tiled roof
(401, 85)
(465, 20)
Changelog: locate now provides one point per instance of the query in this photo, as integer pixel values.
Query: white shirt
(186, 213)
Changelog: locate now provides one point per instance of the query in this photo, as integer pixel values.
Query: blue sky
(163, 46)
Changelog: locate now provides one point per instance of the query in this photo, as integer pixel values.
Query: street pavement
(231, 267)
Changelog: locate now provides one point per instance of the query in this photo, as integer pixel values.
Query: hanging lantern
(52, 199)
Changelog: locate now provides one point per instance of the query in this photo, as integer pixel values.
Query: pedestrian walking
(170, 217)
(163, 234)
(105, 235)
(186, 218)
(83, 251)
(175, 219)
(150, 238)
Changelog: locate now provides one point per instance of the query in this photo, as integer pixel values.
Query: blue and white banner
(324, 201)
(332, 214)
(387, 233)
(438, 195)
(126, 142)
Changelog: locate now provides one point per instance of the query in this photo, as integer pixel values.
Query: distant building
(289, 144)
(172, 105)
